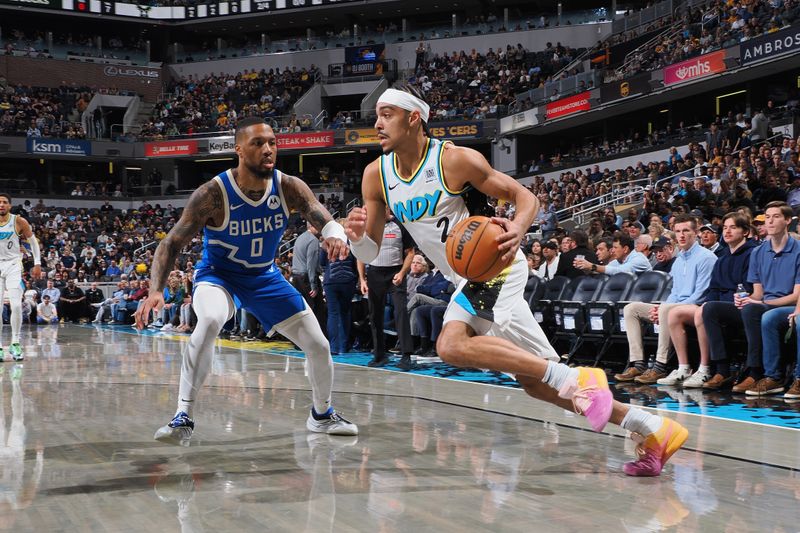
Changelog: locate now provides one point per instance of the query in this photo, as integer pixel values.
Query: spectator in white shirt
(46, 312)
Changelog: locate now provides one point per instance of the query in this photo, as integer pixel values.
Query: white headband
(406, 101)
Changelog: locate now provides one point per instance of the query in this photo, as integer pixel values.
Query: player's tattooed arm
(299, 197)
(204, 206)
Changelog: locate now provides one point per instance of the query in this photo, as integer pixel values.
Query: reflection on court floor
(433, 454)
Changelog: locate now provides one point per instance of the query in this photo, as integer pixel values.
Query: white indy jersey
(424, 205)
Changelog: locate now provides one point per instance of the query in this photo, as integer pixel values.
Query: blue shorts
(266, 295)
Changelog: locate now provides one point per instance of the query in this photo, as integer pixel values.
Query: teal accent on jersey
(465, 303)
(417, 207)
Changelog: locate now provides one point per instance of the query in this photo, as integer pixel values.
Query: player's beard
(258, 171)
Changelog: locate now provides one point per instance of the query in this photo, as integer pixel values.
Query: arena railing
(644, 16)
(564, 87)
(580, 212)
(735, 154)
(669, 33)
(139, 251)
(629, 192)
(319, 120)
(275, 122)
(421, 33)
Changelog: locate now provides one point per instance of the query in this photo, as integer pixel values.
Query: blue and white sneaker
(178, 431)
(331, 423)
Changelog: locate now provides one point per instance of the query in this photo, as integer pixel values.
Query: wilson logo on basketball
(466, 237)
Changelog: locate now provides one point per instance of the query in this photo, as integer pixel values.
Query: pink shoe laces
(639, 439)
(582, 396)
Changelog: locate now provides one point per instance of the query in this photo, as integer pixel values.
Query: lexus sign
(132, 72)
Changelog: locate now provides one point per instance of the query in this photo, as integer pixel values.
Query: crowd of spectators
(34, 44)
(43, 112)
(476, 85)
(83, 247)
(722, 24)
(215, 102)
(707, 148)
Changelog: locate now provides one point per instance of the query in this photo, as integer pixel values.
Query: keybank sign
(59, 147)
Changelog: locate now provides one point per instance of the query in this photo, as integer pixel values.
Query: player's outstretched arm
(204, 205)
(299, 197)
(466, 166)
(25, 230)
(365, 224)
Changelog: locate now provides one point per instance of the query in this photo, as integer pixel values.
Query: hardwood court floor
(433, 454)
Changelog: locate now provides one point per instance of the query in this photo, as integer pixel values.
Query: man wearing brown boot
(691, 276)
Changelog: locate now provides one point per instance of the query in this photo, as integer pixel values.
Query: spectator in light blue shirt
(52, 292)
(691, 275)
(626, 258)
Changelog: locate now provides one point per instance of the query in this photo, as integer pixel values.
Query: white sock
(185, 406)
(308, 336)
(16, 322)
(684, 367)
(641, 422)
(558, 373)
(212, 309)
(704, 368)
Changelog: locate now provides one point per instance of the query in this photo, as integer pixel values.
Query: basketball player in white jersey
(487, 325)
(12, 227)
(243, 213)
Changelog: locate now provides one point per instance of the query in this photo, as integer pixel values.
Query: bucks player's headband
(406, 101)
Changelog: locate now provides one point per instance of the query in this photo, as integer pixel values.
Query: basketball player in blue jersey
(486, 325)
(243, 213)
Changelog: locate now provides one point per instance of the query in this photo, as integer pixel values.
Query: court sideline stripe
(451, 404)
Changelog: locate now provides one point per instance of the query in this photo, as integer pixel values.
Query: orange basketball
(472, 249)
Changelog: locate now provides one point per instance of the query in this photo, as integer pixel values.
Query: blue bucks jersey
(249, 236)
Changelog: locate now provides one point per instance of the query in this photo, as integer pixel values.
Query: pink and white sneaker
(655, 450)
(591, 396)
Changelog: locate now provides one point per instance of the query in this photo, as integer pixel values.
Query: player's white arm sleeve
(335, 230)
(365, 249)
(37, 254)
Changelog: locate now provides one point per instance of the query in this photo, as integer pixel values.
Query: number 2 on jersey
(444, 221)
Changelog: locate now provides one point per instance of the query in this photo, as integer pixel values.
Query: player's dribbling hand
(153, 301)
(356, 223)
(36, 271)
(510, 241)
